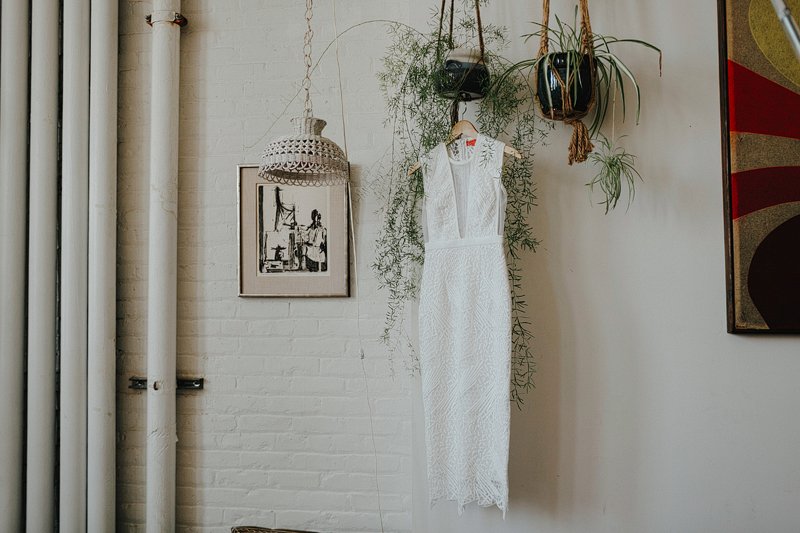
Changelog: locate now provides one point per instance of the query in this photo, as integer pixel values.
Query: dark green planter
(580, 91)
(463, 76)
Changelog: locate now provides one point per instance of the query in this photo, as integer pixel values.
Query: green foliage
(420, 120)
(611, 75)
(614, 165)
(568, 38)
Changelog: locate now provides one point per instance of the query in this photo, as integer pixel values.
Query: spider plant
(566, 38)
(609, 74)
(615, 167)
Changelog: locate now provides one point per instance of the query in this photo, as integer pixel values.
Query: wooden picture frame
(292, 238)
(760, 112)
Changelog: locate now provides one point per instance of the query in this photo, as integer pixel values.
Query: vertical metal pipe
(14, 47)
(100, 483)
(74, 250)
(162, 269)
(42, 264)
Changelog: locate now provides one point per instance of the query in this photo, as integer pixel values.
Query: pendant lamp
(305, 158)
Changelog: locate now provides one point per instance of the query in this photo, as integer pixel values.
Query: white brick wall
(281, 436)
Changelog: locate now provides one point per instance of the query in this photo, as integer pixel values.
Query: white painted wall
(647, 416)
(281, 436)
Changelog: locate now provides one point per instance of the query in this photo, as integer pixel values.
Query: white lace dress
(465, 325)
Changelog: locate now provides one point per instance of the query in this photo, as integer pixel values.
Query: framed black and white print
(292, 238)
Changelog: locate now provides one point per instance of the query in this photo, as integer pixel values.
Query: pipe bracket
(140, 383)
(175, 18)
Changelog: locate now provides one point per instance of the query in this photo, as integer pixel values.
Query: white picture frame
(292, 238)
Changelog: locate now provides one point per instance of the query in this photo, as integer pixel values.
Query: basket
(256, 529)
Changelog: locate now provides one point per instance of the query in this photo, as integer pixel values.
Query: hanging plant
(463, 74)
(577, 74)
(614, 168)
(420, 119)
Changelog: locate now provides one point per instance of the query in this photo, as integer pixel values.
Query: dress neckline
(467, 160)
(449, 162)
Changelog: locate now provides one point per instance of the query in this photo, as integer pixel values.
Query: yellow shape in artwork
(771, 38)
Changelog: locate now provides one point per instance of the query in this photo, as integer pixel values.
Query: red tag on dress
(471, 142)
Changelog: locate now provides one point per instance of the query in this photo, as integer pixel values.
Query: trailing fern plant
(420, 119)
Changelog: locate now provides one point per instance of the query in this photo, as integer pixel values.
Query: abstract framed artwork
(292, 238)
(760, 95)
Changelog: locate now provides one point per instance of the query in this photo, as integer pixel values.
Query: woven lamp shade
(305, 158)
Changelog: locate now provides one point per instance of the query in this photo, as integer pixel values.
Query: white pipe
(74, 250)
(162, 269)
(42, 264)
(13, 188)
(100, 482)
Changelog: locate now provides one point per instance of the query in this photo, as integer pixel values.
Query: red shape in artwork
(759, 105)
(756, 189)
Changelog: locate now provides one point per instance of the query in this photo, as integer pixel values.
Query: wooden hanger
(465, 129)
(462, 128)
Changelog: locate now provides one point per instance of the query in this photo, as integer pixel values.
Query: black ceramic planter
(462, 76)
(579, 92)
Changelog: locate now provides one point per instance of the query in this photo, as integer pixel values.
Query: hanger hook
(454, 111)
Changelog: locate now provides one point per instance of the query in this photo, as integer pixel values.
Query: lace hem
(481, 502)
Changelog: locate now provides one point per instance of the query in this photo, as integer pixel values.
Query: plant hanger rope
(586, 26)
(580, 144)
(450, 43)
(461, 73)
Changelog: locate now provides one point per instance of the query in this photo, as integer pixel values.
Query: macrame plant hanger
(459, 96)
(580, 145)
(305, 158)
(464, 77)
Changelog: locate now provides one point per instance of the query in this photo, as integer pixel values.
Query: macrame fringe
(580, 146)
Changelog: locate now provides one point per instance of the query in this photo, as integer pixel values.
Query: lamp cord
(352, 232)
(341, 95)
